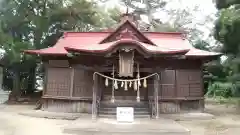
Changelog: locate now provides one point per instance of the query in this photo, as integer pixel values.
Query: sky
(206, 8)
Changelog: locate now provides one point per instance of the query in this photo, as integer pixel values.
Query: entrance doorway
(122, 93)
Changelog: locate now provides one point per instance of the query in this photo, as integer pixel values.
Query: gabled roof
(70, 39)
(126, 33)
(177, 40)
(127, 27)
(109, 46)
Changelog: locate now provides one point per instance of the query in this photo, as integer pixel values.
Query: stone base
(165, 107)
(171, 107)
(67, 106)
(188, 116)
(54, 115)
(138, 127)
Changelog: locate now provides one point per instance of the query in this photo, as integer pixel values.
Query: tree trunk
(31, 80)
(16, 87)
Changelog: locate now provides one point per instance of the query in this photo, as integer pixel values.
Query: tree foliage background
(226, 31)
(36, 24)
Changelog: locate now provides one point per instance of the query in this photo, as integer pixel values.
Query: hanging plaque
(126, 64)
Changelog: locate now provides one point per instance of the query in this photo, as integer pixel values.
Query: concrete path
(138, 127)
(14, 124)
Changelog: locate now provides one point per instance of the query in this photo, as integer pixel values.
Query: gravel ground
(14, 124)
(226, 122)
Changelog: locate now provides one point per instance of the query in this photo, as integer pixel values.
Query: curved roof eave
(108, 47)
(44, 52)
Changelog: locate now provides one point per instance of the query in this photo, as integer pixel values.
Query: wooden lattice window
(58, 82)
(167, 84)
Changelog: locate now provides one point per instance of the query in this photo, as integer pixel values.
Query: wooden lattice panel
(83, 82)
(183, 90)
(167, 91)
(167, 84)
(182, 77)
(194, 76)
(195, 83)
(195, 90)
(58, 82)
(189, 83)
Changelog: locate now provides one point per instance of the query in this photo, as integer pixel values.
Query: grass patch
(221, 100)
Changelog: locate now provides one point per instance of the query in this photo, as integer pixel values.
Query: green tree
(36, 24)
(227, 29)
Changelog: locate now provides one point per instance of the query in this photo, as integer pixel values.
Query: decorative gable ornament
(126, 34)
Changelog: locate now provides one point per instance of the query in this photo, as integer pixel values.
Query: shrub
(221, 89)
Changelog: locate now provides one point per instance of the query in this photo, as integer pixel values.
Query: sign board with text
(125, 114)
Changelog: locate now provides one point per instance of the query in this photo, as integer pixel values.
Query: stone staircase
(108, 109)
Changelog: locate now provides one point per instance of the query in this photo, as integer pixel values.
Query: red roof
(106, 47)
(130, 26)
(159, 42)
(70, 39)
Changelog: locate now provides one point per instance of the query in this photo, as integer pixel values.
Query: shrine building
(95, 72)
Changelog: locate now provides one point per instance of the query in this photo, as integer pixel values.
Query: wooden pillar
(175, 84)
(43, 102)
(72, 81)
(202, 102)
(156, 89)
(94, 98)
(113, 96)
(45, 79)
(1, 77)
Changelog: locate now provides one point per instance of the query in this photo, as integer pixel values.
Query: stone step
(124, 102)
(108, 109)
(115, 108)
(113, 112)
(135, 105)
(114, 116)
(135, 113)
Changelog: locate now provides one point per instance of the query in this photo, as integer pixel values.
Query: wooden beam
(108, 69)
(68, 98)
